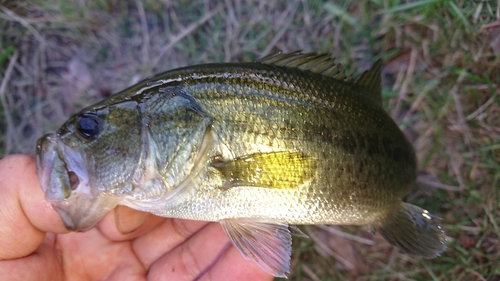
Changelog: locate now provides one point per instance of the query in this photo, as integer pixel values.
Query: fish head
(87, 165)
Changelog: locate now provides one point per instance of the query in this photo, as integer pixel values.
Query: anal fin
(269, 245)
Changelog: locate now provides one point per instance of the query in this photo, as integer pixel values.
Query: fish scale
(258, 147)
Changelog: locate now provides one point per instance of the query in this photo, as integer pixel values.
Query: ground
(441, 83)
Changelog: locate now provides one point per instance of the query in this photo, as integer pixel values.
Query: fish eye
(88, 126)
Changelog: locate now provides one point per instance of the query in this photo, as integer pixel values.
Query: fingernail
(127, 220)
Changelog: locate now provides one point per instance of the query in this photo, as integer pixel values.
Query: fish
(259, 147)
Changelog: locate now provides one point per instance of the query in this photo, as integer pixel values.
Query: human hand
(125, 245)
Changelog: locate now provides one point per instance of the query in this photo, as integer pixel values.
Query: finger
(232, 266)
(164, 238)
(91, 256)
(193, 258)
(25, 215)
(41, 265)
(124, 223)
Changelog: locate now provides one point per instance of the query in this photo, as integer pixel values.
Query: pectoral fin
(269, 170)
(269, 245)
(415, 231)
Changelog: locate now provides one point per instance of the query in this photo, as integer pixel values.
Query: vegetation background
(441, 83)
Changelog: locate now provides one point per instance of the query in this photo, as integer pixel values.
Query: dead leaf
(344, 248)
(340, 248)
(495, 40)
(401, 62)
(466, 242)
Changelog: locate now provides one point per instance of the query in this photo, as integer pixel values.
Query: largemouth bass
(259, 147)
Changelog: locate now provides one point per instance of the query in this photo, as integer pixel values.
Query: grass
(441, 83)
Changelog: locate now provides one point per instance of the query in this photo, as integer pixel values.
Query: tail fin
(415, 231)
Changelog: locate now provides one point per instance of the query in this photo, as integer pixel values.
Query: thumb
(25, 215)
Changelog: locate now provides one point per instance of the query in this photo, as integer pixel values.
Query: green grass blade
(341, 13)
(409, 6)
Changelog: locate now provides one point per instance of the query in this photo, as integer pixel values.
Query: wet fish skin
(256, 146)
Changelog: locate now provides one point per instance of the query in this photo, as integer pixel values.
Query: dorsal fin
(317, 63)
(370, 81)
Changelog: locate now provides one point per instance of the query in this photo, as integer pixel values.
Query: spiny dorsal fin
(370, 81)
(317, 63)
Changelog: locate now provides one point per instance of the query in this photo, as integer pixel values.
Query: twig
(460, 110)
(490, 25)
(145, 32)
(26, 24)
(481, 108)
(329, 251)
(3, 86)
(425, 180)
(488, 212)
(456, 170)
(475, 273)
(285, 24)
(406, 82)
(185, 32)
(474, 230)
(340, 233)
(310, 273)
(498, 10)
(477, 12)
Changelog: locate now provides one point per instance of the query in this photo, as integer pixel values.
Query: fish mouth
(53, 171)
(64, 178)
